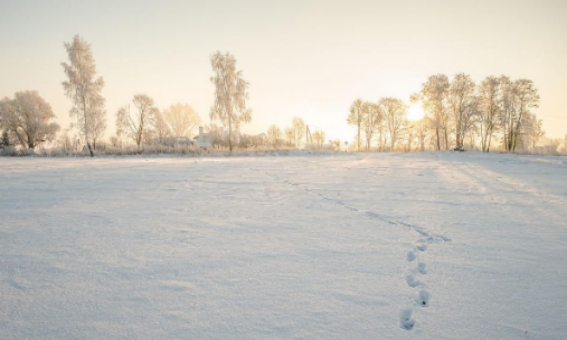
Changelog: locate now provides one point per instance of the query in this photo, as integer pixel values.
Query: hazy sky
(308, 59)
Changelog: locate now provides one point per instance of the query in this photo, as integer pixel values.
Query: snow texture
(298, 247)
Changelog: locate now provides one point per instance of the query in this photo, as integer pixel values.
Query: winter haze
(306, 58)
(283, 170)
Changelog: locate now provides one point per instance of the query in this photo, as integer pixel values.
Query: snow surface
(298, 247)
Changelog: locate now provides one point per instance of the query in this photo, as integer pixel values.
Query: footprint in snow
(422, 247)
(411, 255)
(423, 298)
(406, 321)
(421, 267)
(411, 281)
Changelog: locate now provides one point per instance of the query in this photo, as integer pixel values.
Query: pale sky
(302, 58)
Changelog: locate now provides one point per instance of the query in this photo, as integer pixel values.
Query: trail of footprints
(407, 320)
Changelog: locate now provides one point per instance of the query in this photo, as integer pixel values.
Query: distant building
(203, 139)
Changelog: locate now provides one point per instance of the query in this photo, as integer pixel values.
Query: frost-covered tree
(298, 126)
(395, 117)
(519, 98)
(231, 94)
(28, 118)
(161, 129)
(356, 117)
(319, 138)
(371, 121)
(84, 89)
(138, 125)
(433, 96)
(5, 140)
(489, 109)
(274, 135)
(181, 119)
(290, 135)
(462, 101)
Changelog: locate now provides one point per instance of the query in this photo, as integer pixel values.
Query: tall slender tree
(274, 135)
(489, 96)
(395, 116)
(298, 126)
(138, 125)
(433, 96)
(372, 118)
(84, 89)
(356, 117)
(462, 102)
(231, 94)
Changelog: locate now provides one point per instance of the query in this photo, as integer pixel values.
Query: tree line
(458, 113)
(28, 120)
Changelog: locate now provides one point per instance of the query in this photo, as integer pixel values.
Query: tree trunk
(358, 138)
(230, 134)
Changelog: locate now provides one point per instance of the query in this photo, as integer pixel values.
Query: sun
(415, 112)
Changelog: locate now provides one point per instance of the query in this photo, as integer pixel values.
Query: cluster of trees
(295, 135)
(145, 123)
(381, 122)
(28, 119)
(458, 113)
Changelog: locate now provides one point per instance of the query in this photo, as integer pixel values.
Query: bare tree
(298, 126)
(290, 135)
(356, 117)
(433, 96)
(489, 97)
(231, 93)
(395, 117)
(319, 138)
(28, 117)
(216, 134)
(181, 119)
(420, 128)
(532, 131)
(371, 121)
(518, 99)
(138, 125)
(161, 129)
(274, 135)
(84, 90)
(462, 102)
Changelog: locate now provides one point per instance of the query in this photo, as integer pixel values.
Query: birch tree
(395, 117)
(231, 94)
(28, 118)
(370, 122)
(84, 89)
(290, 135)
(319, 138)
(489, 108)
(519, 98)
(274, 135)
(356, 117)
(433, 97)
(462, 102)
(137, 125)
(161, 129)
(298, 126)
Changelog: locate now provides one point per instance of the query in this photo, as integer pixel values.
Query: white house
(203, 139)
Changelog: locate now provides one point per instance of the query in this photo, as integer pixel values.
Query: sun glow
(415, 112)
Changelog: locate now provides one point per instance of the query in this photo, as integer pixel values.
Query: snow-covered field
(366, 246)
